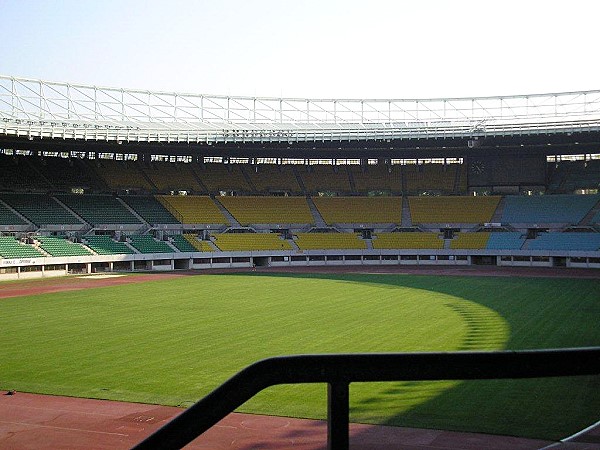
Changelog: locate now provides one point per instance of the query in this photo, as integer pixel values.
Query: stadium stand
(268, 210)
(182, 244)
(64, 174)
(430, 177)
(16, 173)
(223, 177)
(416, 240)
(7, 217)
(250, 241)
(596, 218)
(377, 178)
(193, 209)
(105, 245)
(172, 177)
(360, 209)
(470, 240)
(268, 178)
(55, 246)
(123, 175)
(150, 209)
(11, 248)
(547, 209)
(428, 209)
(323, 178)
(315, 241)
(572, 241)
(40, 209)
(99, 209)
(201, 246)
(147, 244)
(568, 176)
(510, 240)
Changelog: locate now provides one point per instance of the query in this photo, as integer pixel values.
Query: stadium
(285, 192)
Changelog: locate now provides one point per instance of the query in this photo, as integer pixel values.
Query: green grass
(172, 342)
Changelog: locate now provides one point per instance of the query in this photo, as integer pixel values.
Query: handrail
(339, 370)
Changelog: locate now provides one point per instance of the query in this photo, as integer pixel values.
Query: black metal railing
(338, 371)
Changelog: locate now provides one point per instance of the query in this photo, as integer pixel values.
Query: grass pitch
(171, 342)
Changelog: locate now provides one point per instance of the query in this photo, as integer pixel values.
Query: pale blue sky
(319, 49)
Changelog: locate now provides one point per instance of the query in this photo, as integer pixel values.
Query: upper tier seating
(16, 173)
(172, 176)
(452, 209)
(105, 245)
(407, 241)
(546, 209)
(510, 240)
(566, 241)
(250, 241)
(360, 209)
(272, 178)
(596, 218)
(64, 174)
(147, 244)
(572, 175)
(321, 178)
(40, 209)
(316, 241)
(377, 177)
(7, 217)
(11, 248)
(223, 177)
(268, 210)
(201, 246)
(123, 175)
(99, 209)
(61, 247)
(470, 240)
(150, 209)
(193, 209)
(427, 177)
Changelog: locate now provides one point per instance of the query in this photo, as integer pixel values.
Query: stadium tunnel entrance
(260, 261)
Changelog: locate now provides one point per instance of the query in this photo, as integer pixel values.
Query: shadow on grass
(540, 313)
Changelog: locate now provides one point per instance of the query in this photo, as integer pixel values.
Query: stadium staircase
(232, 220)
(248, 180)
(497, 217)
(588, 218)
(456, 189)
(406, 217)
(318, 218)
(148, 180)
(299, 180)
(351, 179)
(73, 213)
(6, 215)
(199, 181)
(134, 212)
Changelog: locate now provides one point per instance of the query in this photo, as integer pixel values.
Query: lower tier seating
(11, 248)
(105, 245)
(250, 241)
(407, 241)
(55, 246)
(318, 241)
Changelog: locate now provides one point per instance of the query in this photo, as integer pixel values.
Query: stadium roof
(40, 109)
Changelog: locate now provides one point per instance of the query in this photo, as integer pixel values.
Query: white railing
(40, 109)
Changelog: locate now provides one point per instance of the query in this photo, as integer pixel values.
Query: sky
(317, 49)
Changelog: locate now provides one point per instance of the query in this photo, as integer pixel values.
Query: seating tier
(407, 241)
(268, 210)
(325, 241)
(360, 209)
(452, 209)
(250, 241)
